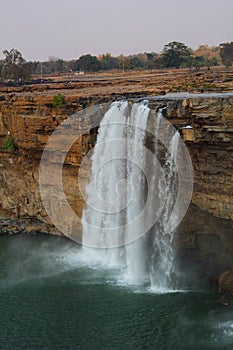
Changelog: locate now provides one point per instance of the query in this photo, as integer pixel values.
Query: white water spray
(117, 193)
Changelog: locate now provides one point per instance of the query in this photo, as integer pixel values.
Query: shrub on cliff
(58, 101)
(9, 144)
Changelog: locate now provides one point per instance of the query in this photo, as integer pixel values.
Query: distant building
(79, 73)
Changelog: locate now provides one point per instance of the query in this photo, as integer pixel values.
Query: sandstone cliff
(29, 120)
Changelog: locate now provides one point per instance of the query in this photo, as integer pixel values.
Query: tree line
(174, 55)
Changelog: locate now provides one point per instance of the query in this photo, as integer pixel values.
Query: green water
(50, 298)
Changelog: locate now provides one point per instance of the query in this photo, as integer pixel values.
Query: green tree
(136, 63)
(124, 62)
(214, 61)
(107, 62)
(153, 61)
(57, 65)
(58, 101)
(14, 66)
(199, 61)
(176, 54)
(88, 63)
(226, 53)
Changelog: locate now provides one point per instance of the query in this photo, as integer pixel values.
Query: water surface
(52, 297)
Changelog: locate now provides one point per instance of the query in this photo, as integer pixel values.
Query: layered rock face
(29, 122)
(210, 144)
(29, 119)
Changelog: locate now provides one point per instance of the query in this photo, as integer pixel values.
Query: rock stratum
(205, 123)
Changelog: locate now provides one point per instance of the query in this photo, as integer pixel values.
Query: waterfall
(162, 267)
(122, 177)
(136, 251)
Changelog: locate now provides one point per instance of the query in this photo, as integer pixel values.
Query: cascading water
(117, 193)
(162, 267)
(136, 251)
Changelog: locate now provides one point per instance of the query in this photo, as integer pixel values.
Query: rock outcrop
(210, 143)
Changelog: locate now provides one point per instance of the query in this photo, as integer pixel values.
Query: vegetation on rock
(58, 101)
(9, 144)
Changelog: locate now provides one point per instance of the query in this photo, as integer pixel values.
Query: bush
(9, 144)
(58, 101)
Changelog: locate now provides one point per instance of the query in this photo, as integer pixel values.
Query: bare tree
(14, 66)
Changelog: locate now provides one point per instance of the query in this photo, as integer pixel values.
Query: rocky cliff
(204, 239)
(28, 121)
(205, 122)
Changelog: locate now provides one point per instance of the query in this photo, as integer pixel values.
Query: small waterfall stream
(117, 194)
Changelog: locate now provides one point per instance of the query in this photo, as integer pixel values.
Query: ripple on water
(227, 328)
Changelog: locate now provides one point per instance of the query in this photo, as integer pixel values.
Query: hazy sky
(70, 28)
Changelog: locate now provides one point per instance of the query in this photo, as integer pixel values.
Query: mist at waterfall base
(56, 294)
(52, 298)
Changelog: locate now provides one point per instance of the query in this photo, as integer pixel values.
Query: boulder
(225, 284)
